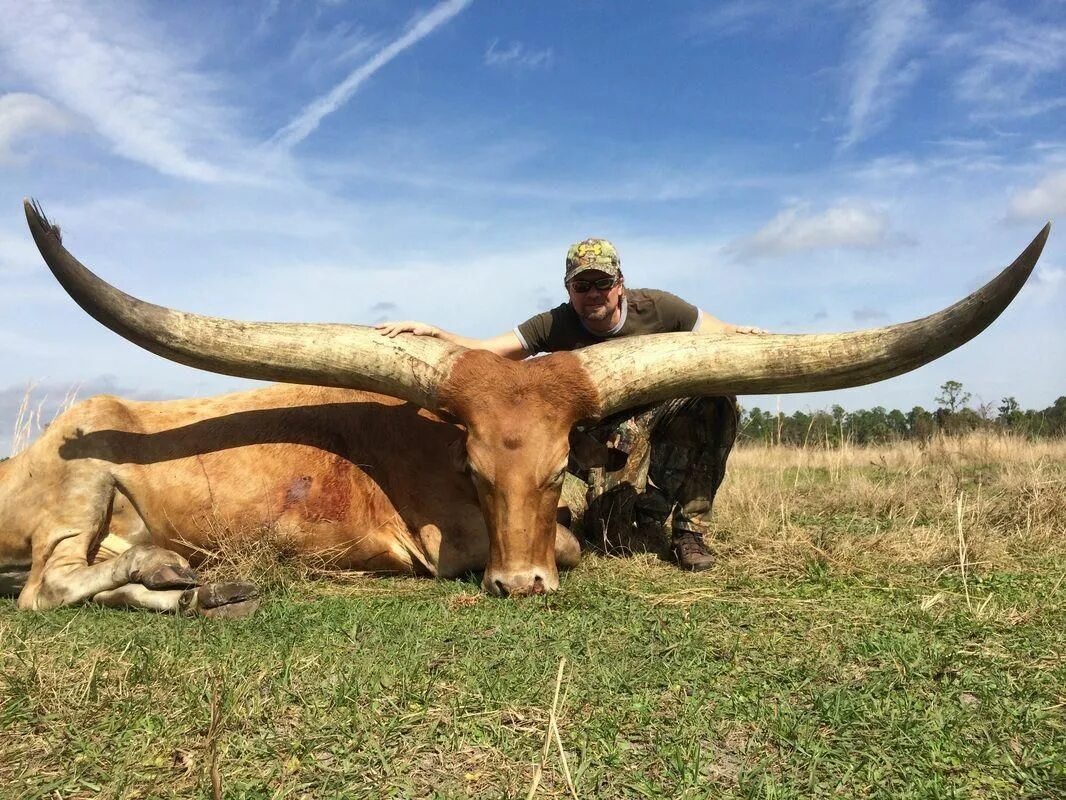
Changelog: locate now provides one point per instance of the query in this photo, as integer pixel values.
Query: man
(688, 439)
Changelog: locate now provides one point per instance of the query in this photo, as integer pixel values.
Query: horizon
(817, 168)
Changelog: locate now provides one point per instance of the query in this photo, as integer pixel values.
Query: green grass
(674, 686)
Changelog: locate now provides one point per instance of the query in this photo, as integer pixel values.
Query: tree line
(952, 416)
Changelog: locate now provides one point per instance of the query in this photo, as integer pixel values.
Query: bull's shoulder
(101, 411)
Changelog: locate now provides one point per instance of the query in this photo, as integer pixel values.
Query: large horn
(347, 356)
(643, 369)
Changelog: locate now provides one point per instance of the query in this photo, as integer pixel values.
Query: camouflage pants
(675, 456)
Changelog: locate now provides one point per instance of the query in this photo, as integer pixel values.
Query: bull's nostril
(538, 585)
(501, 588)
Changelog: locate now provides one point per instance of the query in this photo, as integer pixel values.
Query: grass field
(884, 622)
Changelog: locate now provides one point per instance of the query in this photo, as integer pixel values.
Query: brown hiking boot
(691, 552)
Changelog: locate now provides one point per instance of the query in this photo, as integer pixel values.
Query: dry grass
(983, 501)
(30, 419)
(269, 553)
(273, 557)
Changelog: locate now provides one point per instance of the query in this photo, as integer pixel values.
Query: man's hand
(711, 325)
(392, 329)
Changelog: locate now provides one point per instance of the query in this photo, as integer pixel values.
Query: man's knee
(719, 415)
(700, 422)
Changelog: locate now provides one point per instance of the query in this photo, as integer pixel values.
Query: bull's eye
(475, 475)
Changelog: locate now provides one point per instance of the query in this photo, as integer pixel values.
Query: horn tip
(36, 217)
(1041, 238)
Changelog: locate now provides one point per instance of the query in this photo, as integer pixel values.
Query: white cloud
(305, 123)
(726, 19)
(1041, 202)
(267, 11)
(517, 55)
(761, 17)
(341, 44)
(879, 70)
(18, 254)
(1007, 56)
(1050, 280)
(138, 91)
(23, 115)
(847, 225)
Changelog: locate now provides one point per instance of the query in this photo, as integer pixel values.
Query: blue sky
(803, 167)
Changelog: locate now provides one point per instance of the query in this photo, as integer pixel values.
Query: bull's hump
(557, 384)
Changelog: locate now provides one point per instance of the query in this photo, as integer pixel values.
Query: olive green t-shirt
(643, 311)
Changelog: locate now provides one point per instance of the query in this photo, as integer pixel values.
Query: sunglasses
(603, 284)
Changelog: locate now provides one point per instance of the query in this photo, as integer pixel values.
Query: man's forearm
(506, 344)
(455, 338)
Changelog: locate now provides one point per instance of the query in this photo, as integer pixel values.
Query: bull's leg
(134, 595)
(67, 525)
(66, 577)
(229, 600)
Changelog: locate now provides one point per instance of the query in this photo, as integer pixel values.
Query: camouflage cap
(598, 254)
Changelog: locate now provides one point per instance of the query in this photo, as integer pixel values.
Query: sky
(804, 167)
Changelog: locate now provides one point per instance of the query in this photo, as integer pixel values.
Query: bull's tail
(13, 580)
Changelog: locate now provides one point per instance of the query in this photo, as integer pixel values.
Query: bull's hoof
(223, 594)
(171, 577)
(221, 600)
(243, 608)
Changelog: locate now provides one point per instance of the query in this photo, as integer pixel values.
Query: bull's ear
(457, 454)
(587, 451)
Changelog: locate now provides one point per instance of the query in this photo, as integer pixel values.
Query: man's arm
(709, 324)
(506, 344)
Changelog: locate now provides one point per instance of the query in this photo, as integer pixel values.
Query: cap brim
(614, 272)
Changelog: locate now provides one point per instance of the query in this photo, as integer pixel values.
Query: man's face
(595, 305)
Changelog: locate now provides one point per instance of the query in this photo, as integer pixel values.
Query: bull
(405, 455)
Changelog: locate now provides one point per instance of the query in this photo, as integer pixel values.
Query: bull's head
(518, 415)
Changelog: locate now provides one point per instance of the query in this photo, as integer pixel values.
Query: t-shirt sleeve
(534, 333)
(557, 329)
(676, 314)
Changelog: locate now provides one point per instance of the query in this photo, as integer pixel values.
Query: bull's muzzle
(520, 583)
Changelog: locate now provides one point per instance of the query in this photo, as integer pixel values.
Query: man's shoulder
(658, 311)
(545, 331)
